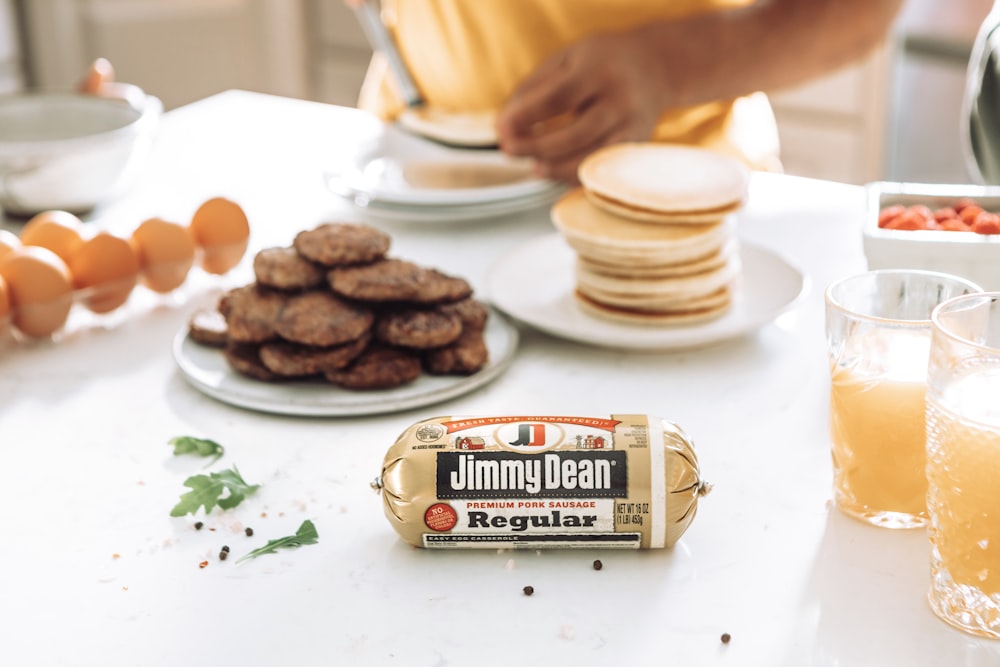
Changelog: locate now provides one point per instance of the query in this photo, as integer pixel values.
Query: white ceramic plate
(207, 370)
(535, 283)
(398, 168)
(442, 180)
(444, 214)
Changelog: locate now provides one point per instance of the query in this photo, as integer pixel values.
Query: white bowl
(972, 256)
(71, 151)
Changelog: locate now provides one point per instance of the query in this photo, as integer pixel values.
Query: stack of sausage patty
(335, 306)
(653, 232)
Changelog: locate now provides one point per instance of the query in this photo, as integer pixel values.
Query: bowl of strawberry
(949, 228)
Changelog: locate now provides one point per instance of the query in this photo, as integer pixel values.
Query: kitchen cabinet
(895, 116)
(179, 50)
(925, 140)
(833, 128)
(340, 52)
(11, 78)
(184, 50)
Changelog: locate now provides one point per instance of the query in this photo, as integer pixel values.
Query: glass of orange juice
(878, 333)
(963, 462)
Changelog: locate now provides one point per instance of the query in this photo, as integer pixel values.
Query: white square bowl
(973, 256)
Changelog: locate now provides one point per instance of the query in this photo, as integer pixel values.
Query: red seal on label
(440, 517)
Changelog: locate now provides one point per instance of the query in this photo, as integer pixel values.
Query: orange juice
(879, 454)
(878, 335)
(877, 404)
(964, 497)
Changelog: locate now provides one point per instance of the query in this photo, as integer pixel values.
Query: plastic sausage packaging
(623, 481)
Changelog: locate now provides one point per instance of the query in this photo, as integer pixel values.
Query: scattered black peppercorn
(223, 555)
(225, 548)
(598, 564)
(198, 525)
(529, 590)
(249, 532)
(725, 637)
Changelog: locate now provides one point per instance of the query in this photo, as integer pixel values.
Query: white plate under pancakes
(534, 284)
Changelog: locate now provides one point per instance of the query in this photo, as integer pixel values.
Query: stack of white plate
(402, 177)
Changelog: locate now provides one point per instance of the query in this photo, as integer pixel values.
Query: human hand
(594, 93)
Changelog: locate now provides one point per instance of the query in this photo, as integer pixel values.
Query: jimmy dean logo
(475, 422)
(512, 475)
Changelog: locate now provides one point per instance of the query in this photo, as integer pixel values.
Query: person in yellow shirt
(566, 77)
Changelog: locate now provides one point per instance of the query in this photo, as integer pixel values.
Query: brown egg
(8, 242)
(41, 290)
(59, 231)
(166, 253)
(99, 74)
(104, 269)
(221, 232)
(4, 305)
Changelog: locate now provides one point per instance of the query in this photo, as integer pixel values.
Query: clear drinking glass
(878, 332)
(963, 463)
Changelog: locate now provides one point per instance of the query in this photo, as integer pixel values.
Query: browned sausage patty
(208, 327)
(322, 319)
(420, 329)
(465, 356)
(378, 367)
(251, 313)
(397, 280)
(285, 268)
(473, 313)
(245, 359)
(338, 243)
(294, 360)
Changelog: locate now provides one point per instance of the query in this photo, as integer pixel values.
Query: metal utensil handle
(380, 40)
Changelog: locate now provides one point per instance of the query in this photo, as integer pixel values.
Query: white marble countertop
(94, 571)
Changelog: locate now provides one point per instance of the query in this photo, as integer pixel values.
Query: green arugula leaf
(186, 444)
(306, 534)
(207, 491)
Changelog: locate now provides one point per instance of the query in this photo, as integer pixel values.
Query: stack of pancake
(653, 230)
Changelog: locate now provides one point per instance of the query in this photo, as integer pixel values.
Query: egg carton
(56, 266)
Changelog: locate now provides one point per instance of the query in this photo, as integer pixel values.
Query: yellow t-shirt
(469, 55)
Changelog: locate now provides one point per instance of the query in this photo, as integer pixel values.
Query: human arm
(613, 87)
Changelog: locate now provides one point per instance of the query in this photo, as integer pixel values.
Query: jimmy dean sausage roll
(627, 481)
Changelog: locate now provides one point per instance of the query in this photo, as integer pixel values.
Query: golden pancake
(690, 183)
(657, 304)
(469, 129)
(598, 234)
(636, 269)
(719, 299)
(661, 217)
(692, 315)
(457, 174)
(631, 290)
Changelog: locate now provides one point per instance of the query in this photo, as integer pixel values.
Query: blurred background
(894, 117)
